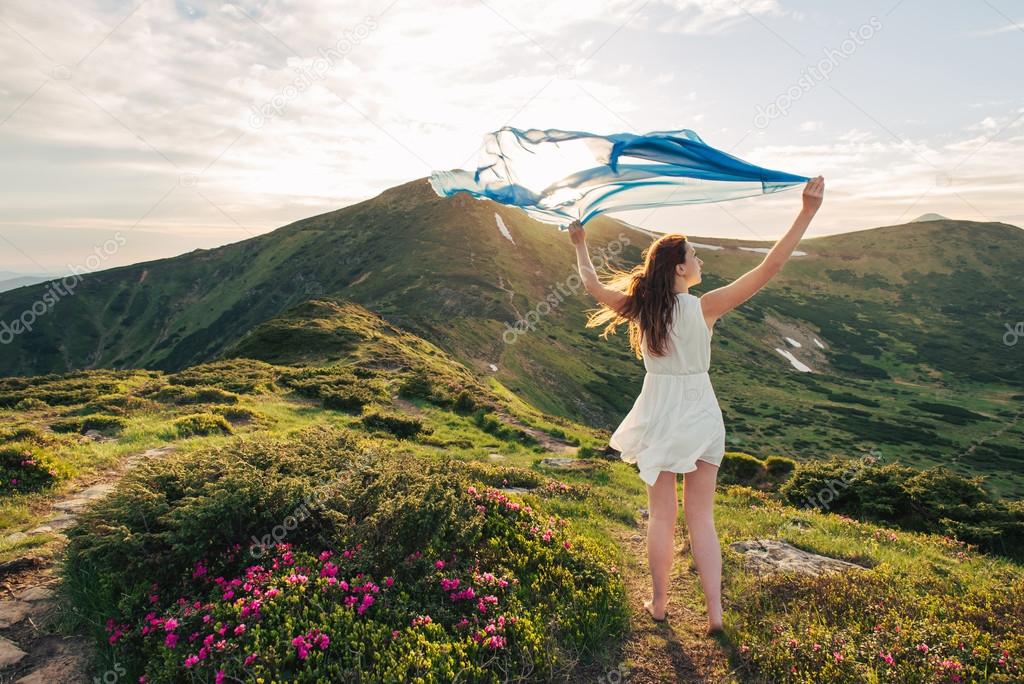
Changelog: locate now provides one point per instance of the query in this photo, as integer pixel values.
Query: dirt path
(675, 650)
(30, 650)
(546, 440)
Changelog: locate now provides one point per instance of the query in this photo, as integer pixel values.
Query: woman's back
(688, 350)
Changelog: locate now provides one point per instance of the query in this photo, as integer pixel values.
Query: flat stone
(517, 490)
(33, 594)
(42, 529)
(13, 612)
(15, 538)
(71, 505)
(10, 654)
(636, 538)
(496, 457)
(644, 513)
(772, 555)
(96, 491)
(61, 522)
(158, 451)
(66, 661)
(561, 463)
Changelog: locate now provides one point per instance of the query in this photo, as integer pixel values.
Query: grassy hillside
(325, 510)
(903, 325)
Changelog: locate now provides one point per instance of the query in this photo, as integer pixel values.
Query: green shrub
(934, 500)
(741, 469)
(202, 424)
(409, 571)
(27, 468)
(31, 404)
(779, 467)
(350, 398)
(399, 426)
(82, 424)
(182, 395)
(116, 404)
(242, 376)
(22, 433)
(239, 414)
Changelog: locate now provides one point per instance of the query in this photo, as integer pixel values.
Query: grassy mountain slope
(910, 320)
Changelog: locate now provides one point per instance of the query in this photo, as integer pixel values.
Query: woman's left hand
(814, 192)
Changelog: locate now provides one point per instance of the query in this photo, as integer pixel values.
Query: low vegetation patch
(201, 425)
(321, 558)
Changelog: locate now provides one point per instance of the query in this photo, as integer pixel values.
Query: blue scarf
(561, 176)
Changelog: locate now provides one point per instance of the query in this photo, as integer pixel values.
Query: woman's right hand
(577, 234)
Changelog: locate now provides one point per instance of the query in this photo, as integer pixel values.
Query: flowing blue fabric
(561, 176)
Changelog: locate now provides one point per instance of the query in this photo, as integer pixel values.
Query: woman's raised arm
(588, 274)
(718, 302)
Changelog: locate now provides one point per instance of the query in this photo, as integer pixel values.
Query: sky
(132, 131)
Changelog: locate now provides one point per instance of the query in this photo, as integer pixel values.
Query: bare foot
(663, 613)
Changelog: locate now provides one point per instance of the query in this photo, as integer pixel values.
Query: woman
(675, 425)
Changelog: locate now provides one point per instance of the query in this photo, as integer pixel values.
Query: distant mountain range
(900, 328)
(11, 281)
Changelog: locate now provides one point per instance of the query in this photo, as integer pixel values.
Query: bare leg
(663, 505)
(698, 500)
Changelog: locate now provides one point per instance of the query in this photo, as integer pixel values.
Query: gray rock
(772, 555)
(15, 538)
(61, 522)
(496, 457)
(33, 594)
(96, 491)
(42, 529)
(516, 490)
(71, 505)
(10, 654)
(13, 612)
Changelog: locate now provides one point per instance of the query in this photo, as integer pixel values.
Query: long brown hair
(650, 301)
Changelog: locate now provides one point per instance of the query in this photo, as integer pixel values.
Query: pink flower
(887, 657)
(838, 656)
(219, 677)
(923, 648)
(439, 564)
(240, 629)
(172, 640)
(744, 649)
(251, 658)
(170, 625)
(471, 491)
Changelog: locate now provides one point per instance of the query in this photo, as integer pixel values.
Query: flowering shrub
(397, 568)
(26, 468)
(867, 627)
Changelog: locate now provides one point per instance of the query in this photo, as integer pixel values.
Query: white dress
(676, 420)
